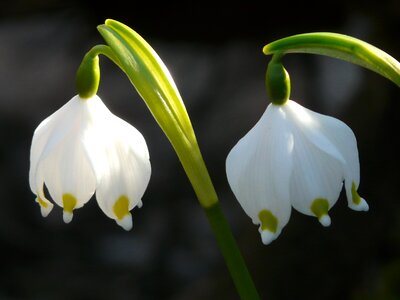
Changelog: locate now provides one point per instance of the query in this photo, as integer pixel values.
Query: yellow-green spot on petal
(319, 207)
(121, 207)
(268, 220)
(354, 195)
(69, 202)
(42, 203)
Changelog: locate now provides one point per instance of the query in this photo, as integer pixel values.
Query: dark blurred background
(213, 51)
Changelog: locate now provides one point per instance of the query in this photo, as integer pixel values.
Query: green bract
(152, 80)
(155, 85)
(342, 47)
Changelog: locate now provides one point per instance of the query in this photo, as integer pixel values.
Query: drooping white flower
(83, 148)
(293, 157)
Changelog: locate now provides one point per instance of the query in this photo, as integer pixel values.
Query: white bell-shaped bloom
(83, 148)
(293, 157)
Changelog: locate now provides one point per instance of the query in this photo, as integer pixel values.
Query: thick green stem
(231, 253)
(196, 170)
(155, 85)
(106, 51)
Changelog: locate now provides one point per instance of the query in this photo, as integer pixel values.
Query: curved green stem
(88, 74)
(155, 85)
(342, 47)
(106, 51)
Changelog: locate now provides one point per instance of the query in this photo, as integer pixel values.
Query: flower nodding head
(83, 148)
(294, 157)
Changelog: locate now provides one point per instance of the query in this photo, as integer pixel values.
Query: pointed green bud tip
(88, 76)
(277, 81)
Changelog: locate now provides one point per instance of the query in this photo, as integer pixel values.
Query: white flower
(293, 157)
(83, 148)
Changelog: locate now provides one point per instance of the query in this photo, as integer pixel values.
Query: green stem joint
(88, 76)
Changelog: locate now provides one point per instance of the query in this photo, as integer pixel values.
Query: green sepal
(88, 76)
(342, 47)
(151, 78)
(277, 81)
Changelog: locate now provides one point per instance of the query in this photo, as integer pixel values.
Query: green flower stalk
(342, 47)
(87, 78)
(155, 85)
(152, 80)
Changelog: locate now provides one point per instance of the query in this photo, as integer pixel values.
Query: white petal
(50, 133)
(258, 170)
(361, 206)
(267, 237)
(45, 205)
(316, 175)
(68, 171)
(68, 174)
(119, 156)
(325, 220)
(344, 141)
(39, 141)
(355, 202)
(45, 211)
(140, 203)
(62, 123)
(126, 222)
(306, 121)
(67, 216)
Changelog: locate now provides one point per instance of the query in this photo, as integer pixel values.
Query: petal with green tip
(258, 169)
